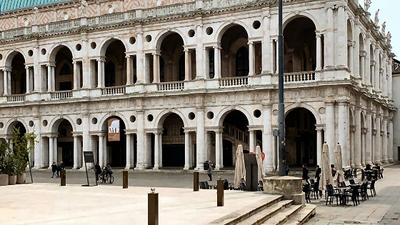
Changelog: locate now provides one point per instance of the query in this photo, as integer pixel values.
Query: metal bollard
(196, 181)
(63, 177)
(152, 207)
(220, 192)
(125, 179)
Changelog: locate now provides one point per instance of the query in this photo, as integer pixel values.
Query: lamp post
(281, 105)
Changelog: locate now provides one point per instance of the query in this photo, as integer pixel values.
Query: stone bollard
(63, 176)
(196, 181)
(220, 192)
(152, 208)
(125, 179)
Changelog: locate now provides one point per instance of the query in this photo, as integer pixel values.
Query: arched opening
(65, 143)
(300, 45)
(242, 62)
(18, 75)
(116, 142)
(301, 138)
(115, 65)
(172, 65)
(173, 142)
(235, 132)
(64, 75)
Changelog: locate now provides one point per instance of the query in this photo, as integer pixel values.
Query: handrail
(61, 95)
(115, 90)
(170, 86)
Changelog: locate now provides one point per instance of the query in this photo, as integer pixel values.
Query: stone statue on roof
(376, 19)
(383, 28)
(35, 15)
(367, 4)
(389, 37)
(84, 6)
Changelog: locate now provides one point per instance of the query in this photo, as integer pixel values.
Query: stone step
(267, 213)
(302, 216)
(283, 215)
(248, 210)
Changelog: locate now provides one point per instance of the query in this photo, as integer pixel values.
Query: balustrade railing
(233, 81)
(170, 86)
(116, 90)
(60, 95)
(299, 76)
(16, 98)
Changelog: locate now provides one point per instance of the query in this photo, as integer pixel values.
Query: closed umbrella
(240, 169)
(326, 174)
(338, 162)
(259, 163)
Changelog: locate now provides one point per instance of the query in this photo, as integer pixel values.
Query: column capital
(101, 59)
(319, 127)
(51, 64)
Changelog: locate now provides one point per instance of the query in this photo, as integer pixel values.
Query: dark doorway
(173, 155)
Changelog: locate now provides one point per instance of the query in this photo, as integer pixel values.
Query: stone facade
(190, 80)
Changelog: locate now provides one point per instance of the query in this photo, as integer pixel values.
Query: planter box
(12, 179)
(21, 178)
(3, 179)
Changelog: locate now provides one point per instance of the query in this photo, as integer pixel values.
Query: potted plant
(3, 162)
(21, 149)
(11, 168)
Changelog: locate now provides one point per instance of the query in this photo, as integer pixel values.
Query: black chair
(363, 191)
(315, 190)
(331, 193)
(371, 187)
(354, 194)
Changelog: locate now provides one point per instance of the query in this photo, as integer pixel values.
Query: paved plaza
(45, 202)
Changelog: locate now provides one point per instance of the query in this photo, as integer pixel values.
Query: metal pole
(281, 105)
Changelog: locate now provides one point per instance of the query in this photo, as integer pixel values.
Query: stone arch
(292, 16)
(163, 34)
(159, 119)
(225, 26)
(310, 108)
(55, 123)
(11, 124)
(219, 118)
(54, 50)
(102, 123)
(105, 43)
(10, 56)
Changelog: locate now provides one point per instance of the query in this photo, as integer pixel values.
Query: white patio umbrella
(339, 163)
(326, 173)
(259, 163)
(240, 169)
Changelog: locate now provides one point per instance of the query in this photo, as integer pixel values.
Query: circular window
(191, 33)
(132, 40)
(257, 113)
(31, 123)
(148, 38)
(210, 115)
(209, 30)
(93, 45)
(43, 51)
(150, 117)
(78, 47)
(94, 120)
(44, 122)
(132, 119)
(30, 53)
(79, 121)
(256, 24)
(1, 124)
(192, 116)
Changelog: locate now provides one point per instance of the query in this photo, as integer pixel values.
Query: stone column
(330, 128)
(368, 138)
(384, 147)
(372, 73)
(266, 46)
(77, 71)
(356, 59)
(200, 136)
(350, 46)
(329, 41)
(276, 56)
(362, 67)
(390, 80)
(200, 53)
(267, 143)
(357, 143)
(102, 150)
(274, 69)
(319, 128)
(28, 80)
(128, 151)
(219, 162)
(188, 64)
(376, 75)
(187, 150)
(129, 69)
(251, 58)
(252, 140)
(318, 60)
(139, 58)
(341, 42)
(156, 67)
(76, 152)
(51, 151)
(140, 135)
(217, 62)
(390, 139)
(157, 156)
(378, 144)
(100, 72)
(50, 77)
(6, 80)
(343, 126)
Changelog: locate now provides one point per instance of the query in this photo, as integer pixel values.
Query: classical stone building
(174, 83)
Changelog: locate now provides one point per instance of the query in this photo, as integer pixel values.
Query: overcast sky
(389, 12)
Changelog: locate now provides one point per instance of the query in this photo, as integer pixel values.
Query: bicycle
(106, 178)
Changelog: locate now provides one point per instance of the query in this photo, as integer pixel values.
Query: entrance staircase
(272, 210)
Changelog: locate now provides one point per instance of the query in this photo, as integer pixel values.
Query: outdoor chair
(363, 191)
(330, 194)
(371, 187)
(354, 194)
(348, 174)
(315, 190)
